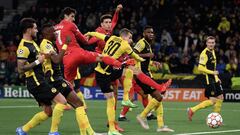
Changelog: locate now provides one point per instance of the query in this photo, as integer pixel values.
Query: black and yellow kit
(35, 80)
(105, 74)
(53, 72)
(207, 64)
(142, 47)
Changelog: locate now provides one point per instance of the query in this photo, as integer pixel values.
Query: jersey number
(58, 34)
(112, 48)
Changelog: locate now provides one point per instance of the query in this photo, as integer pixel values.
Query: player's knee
(220, 97)
(157, 96)
(109, 95)
(48, 111)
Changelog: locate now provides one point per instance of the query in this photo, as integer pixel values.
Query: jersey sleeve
(22, 52)
(78, 34)
(203, 59)
(139, 46)
(127, 48)
(114, 20)
(46, 48)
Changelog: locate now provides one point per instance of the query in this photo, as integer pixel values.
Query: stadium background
(180, 27)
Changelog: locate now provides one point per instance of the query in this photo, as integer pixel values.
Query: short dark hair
(105, 16)
(67, 11)
(26, 23)
(46, 25)
(147, 27)
(124, 32)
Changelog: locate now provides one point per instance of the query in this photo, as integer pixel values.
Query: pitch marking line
(212, 132)
(171, 109)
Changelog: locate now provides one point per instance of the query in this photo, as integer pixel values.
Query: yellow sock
(111, 113)
(202, 105)
(127, 83)
(56, 116)
(83, 122)
(80, 95)
(217, 107)
(152, 104)
(159, 111)
(37, 119)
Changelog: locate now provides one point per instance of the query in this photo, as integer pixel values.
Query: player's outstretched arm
(57, 58)
(23, 66)
(97, 35)
(207, 71)
(115, 16)
(137, 57)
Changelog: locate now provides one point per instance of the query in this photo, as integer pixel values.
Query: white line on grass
(212, 132)
(23, 106)
(171, 109)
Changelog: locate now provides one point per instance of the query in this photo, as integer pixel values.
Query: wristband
(37, 62)
(64, 47)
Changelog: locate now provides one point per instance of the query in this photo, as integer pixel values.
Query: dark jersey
(208, 60)
(143, 46)
(29, 51)
(52, 70)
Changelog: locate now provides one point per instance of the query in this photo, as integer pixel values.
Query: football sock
(37, 119)
(159, 112)
(152, 104)
(83, 122)
(127, 83)
(149, 81)
(145, 102)
(111, 61)
(80, 96)
(124, 111)
(202, 105)
(56, 116)
(218, 105)
(111, 113)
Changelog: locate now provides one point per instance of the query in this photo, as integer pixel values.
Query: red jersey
(67, 28)
(101, 43)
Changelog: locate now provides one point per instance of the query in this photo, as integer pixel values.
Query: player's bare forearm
(57, 58)
(23, 66)
(146, 55)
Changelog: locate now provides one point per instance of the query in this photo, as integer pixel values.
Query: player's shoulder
(24, 44)
(45, 43)
(140, 42)
(204, 51)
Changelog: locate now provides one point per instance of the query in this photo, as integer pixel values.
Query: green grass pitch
(15, 112)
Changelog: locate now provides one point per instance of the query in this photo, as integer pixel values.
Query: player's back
(116, 47)
(64, 29)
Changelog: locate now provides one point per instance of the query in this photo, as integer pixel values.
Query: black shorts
(104, 81)
(146, 88)
(62, 86)
(44, 93)
(213, 90)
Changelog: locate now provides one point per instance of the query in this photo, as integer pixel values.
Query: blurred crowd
(181, 27)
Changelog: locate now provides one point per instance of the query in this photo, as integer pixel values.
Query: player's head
(210, 42)
(69, 14)
(28, 27)
(106, 21)
(48, 31)
(126, 34)
(148, 33)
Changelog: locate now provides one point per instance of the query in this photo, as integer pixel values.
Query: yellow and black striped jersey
(29, 51)
(142, 46)
(209, 62)
(115, 47)
(52, 70)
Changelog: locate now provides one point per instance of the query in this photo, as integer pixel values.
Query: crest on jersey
(48, 46)
(54, 90)
(64, 84)
(201, 59)
(20, 51)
